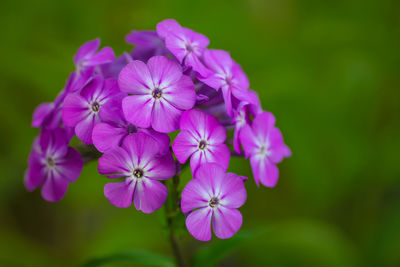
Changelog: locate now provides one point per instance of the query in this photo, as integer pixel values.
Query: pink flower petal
(115, 162)
(198, 224)
(219, 154)
(141, 148)
(149, 195)
(233, 193)
(184, 146)
(75, 109)
(165, 117)
(195, 195)
(105, 55)
(164, 71)
(87, 49)
(106, 136)
(160, 168)
(138, 109)
(120, 194)
(41, 113)
(135, 78)
(84, 128)
(70, 166)
(54, 188)
(181, 94)
(226, 222)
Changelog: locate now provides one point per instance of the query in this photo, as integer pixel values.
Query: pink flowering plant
(123, 110)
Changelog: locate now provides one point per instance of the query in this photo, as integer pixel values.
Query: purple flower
(263, 143)
(229, 77)
(213, 196)
(160, 93)
(202, 137)
(147, 44)
(81, 110)
(186, 45)
(140, 162)
(114, 128)
(87, 57)
(52, 164)
(241, 118)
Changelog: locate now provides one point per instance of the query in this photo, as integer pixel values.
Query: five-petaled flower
(228, 76)
(263, 143)
(185, 44)
(213, 196)
(81, 110)
(140, 162)
(202, 137)
(160, 93)
(86, 57)
(52, 164)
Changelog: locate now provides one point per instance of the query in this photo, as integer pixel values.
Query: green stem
(171, 212)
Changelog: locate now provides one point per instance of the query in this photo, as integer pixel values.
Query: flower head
(213, 197)
(114, 128)
(52, 164)
(140, 162)
(228, 76)
(160, 93)
(263, 143)
(81, 110)
(185, 44)
(202, 138)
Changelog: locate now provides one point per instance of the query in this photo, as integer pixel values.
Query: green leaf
(220, 249)
(132, 256)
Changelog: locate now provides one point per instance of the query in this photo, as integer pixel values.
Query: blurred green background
(328, 70)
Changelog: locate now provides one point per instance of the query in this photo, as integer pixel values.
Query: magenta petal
(105, 55)
(150, 195)
(193, 61)
(219, 61)
(161, 168)
(40, 113)
(278, 150)
(233, 193)
(226, 222)
(162, 139)
(75, 109)
(135, 78)
(106, 136)
(181, 94)
(35, 175)
(219, 154)
(70, 166)
(194, 196)
(164, 71)
(84, 129)
(262, 124)
(248, 140)
(87, 49)
(54, 188)
(184, 146)
(120, 194)
(165, 117)
(165, 27)
(141, 148)
(138, 109)
(115, 162)
(198, 224)
(269, 173)
(111, 112)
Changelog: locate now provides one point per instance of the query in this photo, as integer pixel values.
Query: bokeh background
(328, 70)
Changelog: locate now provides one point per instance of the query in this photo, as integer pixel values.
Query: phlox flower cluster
(126, 107)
